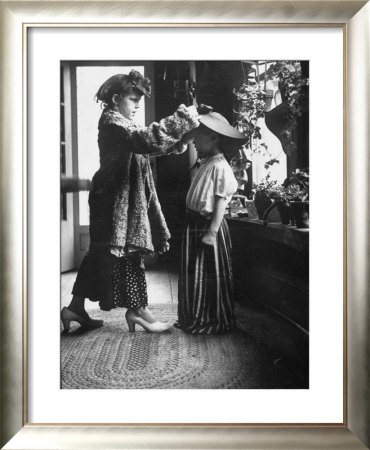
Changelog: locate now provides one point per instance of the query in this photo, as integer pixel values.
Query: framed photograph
(170, 278)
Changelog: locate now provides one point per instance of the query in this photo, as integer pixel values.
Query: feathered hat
(123, 83)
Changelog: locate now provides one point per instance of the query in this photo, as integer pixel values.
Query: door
(66, 199)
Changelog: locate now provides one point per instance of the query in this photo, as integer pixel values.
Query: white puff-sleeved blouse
(214, 178)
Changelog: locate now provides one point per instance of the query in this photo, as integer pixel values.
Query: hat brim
(218, 123)
(232, 146)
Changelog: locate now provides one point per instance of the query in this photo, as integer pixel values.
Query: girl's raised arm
(159, 137)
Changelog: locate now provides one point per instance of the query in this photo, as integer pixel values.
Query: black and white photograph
(184, 211)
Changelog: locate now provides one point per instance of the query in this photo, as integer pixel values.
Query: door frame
(83, 230)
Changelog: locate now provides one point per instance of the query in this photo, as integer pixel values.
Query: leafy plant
(264, 186)
(251, 106)
(297, 186)
(292, 85)
(271, 162)
(294, 188)
(279, 194)
(239, 163)
(251, 99)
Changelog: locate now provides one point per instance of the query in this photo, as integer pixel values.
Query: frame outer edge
(359, 223)
(11, 338)
(185, 438)
(183, 11)
(11, 223)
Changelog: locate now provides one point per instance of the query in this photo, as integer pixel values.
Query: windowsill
(276, 225)
(291, 236)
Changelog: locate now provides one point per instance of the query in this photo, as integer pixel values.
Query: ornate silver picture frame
(15, 18)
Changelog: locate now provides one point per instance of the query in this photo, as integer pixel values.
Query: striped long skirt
(205, 281)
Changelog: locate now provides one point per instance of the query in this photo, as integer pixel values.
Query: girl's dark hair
(123, 84)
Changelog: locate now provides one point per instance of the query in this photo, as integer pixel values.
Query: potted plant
(262, 198)
(297, 189)
(279, 195)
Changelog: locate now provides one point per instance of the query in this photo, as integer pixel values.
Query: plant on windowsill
(262, 198)
(280, 197)
(297, 189)
(291, 200)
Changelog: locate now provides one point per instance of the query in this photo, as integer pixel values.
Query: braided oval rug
(112, 358)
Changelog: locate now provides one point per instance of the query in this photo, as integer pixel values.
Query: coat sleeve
(179, 148)
(161, 137)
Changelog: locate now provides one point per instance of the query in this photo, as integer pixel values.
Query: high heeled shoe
(68, 316)
(156, 327)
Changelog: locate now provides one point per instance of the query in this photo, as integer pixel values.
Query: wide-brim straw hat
(232, 140)
(220, 124)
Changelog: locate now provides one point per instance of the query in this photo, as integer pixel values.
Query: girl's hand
(204, 109)
(209, 239)
(164, 248)
(188, 137)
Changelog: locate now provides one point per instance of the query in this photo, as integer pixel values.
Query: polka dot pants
(129, 284)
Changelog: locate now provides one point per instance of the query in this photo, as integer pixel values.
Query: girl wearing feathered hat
(126, 220)
(205, 291)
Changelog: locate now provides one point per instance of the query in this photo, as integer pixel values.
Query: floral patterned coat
(124, 209)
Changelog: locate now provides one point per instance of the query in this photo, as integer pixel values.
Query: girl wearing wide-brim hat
(205, 282)
(126, 220)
